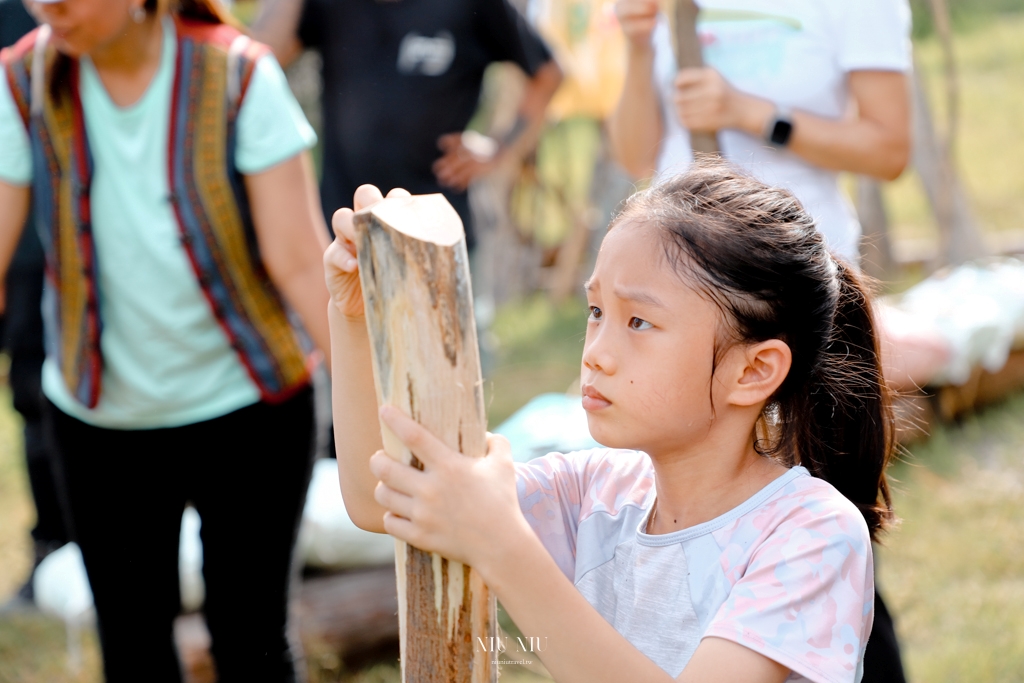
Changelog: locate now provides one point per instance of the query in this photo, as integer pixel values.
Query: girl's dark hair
(755, 252)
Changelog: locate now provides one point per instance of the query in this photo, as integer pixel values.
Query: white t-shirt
(788, 573)
(797, 54)
(166, 361)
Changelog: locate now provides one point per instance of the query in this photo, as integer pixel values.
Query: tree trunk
(419, 310)
(682, 17)
(959, 239)
(875, 248)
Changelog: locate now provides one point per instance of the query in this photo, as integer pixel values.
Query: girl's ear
(764, 366)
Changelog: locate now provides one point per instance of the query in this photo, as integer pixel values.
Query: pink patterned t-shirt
(788, 573)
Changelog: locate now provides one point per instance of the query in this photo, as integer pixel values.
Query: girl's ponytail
(755, 252)
(840, 423)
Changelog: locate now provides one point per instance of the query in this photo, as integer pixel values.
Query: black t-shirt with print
(399, 74)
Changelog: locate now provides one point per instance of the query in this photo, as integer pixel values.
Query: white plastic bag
(328, 537)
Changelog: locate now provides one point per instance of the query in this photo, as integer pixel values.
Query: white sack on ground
(62, 586)
(978, 309)
(328, 537)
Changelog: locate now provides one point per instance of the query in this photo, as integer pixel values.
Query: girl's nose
(597, 354)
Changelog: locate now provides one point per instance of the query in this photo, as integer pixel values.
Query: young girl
(724, 534)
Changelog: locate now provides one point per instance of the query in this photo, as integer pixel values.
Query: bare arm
(460, 165)
(635, 127)
(292, 238)
(874, 139)
(14, 202)
(277, 26)
(354, 398)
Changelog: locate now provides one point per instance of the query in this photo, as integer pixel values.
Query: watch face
(781, 132)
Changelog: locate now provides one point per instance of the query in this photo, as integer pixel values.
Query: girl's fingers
(341, 221)
(397, 503)
(394, 474)
(636, 8)
(402, 529)
(399, 192)
(498, 447)
(366, 195)
(427, 447)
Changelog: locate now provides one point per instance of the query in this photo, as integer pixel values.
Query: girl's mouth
(593, 399)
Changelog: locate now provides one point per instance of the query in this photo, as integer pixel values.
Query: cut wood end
(425, 217)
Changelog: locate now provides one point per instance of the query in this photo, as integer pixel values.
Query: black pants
(882, 663)
(246, 473)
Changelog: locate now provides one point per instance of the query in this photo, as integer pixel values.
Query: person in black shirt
(401, 80)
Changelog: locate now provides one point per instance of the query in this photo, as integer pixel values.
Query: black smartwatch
(780, 128)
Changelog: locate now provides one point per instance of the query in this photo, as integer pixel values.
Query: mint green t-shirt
(166, 360)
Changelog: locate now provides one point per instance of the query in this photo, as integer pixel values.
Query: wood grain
(419, 311)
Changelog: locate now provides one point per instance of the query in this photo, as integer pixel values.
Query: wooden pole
(875, 247)
(960, 239)
(414, 270)
(682, 17)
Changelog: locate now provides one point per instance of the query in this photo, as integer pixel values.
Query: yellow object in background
(589, 46)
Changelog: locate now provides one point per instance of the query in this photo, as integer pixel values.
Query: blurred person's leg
(255, 470)
(125, 496)
(23, 338)
(882, 663)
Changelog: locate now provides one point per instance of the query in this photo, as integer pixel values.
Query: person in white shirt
(827, 79)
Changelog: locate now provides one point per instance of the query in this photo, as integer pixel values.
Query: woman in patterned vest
(167, 162)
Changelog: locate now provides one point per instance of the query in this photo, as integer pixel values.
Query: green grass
(966, 15)
(954, 571)
(539, 347)
(990, 140)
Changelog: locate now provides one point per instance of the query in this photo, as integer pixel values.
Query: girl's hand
(466, 509)
(705, 102)
(637, 19)
(341, 267)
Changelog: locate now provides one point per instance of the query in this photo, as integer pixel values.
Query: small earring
(138, 14)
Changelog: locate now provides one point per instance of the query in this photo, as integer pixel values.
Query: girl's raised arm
(354, 402)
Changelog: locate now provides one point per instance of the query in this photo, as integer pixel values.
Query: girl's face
(647, 360)
(82, 26)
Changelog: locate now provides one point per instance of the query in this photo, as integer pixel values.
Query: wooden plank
(414, 269)
(959, 236)
(349, 612)
(875, 247)
(682, 19)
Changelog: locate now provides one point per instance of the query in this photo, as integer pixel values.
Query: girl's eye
(595, 313)
(639, 324)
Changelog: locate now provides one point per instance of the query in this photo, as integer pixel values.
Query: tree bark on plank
(682, 18)
(414, 270)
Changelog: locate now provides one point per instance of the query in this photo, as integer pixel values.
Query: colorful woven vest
(212, 71)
